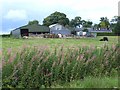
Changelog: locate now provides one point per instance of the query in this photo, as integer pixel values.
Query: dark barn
(27, 30)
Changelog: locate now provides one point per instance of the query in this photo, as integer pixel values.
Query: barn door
(24, 32)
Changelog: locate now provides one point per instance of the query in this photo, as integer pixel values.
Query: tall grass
(90, 83)
(39, 66)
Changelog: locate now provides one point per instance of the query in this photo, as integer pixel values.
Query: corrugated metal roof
(99, 30)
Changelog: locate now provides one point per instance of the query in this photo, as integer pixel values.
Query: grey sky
(16, 13)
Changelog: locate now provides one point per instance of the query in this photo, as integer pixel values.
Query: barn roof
(34, 28)
(100, 30)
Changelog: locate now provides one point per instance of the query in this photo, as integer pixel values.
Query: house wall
(63, 32)
(59, 29)
(80, 33)
(84, 33)
(16, 33)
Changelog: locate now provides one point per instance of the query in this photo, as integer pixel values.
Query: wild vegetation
(60, 65)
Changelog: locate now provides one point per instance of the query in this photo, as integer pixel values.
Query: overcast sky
(16, 13)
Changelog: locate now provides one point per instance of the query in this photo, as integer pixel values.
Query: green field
(63, 63)
(18, 43)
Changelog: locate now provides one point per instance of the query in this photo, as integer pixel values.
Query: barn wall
(16, 33)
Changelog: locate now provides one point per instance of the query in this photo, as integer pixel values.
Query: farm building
(28, 30)
(59, 29)
(93, 32)
(80, 31)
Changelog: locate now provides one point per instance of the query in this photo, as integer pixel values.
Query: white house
(59, 29)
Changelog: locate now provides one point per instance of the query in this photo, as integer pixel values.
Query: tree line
(61, 18)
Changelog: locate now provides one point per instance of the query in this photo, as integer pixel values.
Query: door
(24, 32)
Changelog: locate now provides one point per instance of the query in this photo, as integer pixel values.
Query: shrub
(106, 34)
(37, 67)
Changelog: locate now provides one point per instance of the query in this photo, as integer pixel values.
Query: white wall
(80, 33)
(84, 33)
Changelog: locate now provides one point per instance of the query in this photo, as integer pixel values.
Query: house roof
(53, 25)
(67, 27)
(34, 28)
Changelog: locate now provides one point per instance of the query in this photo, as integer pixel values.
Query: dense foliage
(76, 22)
(41, 66)
(104, 22)
(117, 27)
(106, 34)
(56, 17)
(33, 22)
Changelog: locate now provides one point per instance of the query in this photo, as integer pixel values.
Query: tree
(104, 22)
(114, 19)
(117, 27)
(72, 23)
(113, 22)
(33, 22)
(95, 26)
(75, 22)
(87, 24)
(56, 17)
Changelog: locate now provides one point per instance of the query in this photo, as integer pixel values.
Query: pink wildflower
(11, 59)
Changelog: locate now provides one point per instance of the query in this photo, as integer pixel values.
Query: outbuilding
(27, 30)
(92, 32)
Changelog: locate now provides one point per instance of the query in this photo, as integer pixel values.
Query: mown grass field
(60, 63)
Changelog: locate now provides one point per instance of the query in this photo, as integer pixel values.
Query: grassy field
(60, 63)
(17, 43)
